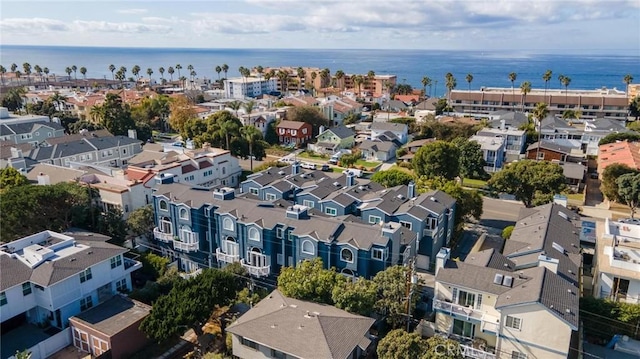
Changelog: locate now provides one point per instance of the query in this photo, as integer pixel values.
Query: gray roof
(20, 128)
(341, 131)
(114, 315)
(83, 145)
(573, 170)
(302, 329)
(376, 146)
(429, 202)
(511, 119)
(551, 146)
(389, 126)
(56, 174)
(77, 136)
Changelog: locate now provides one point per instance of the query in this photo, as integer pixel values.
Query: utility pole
(411, 280)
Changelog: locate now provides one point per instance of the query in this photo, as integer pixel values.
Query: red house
(293, 132)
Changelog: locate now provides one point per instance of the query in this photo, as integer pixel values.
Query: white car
(286, 160)
(309, 166)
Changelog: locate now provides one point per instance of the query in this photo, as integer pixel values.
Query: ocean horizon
(489, 68)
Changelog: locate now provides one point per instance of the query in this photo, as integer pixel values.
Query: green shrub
(506, 233)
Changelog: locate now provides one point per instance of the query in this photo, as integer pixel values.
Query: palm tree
(179, 67)
(135, 70)
(339, 75)
(314, 75)
(512, 78)
(190, 69)
(161, 71)
(27, 71)
(260, 71)
(546, 77)
(120, 76)
(3, 71)
(301, 74)
(469, 78)
(83, 72)
(149, 72)
(251, 135)
(170, 70)
(46, 72)
(369, 79)
(451, 83)
(112, 68)
(183, 81)
(58, 100)
(540, 113)
(38, 71)
(525, 88)
(14, 67)
(68, 71)
(283, 76)
(248, 108)
(435, 88)
(235, 106)
(218, 70)
(228, 127)
(124, 71)
(565, 81)
(225, 68)
(627, 80)
(75, 74)
(426, 81)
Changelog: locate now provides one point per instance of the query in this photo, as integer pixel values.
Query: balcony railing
(130, 264)
(226, 258)
(185, 247)
(457, 310)
(163, 237)
(490, 326)
(257, 271)
(471, 352)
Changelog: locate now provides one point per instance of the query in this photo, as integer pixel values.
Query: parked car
(333, 161)
(356, 172)
(326, 167)
(286, 160)
(309, 166)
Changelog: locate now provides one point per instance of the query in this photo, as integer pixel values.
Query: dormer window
(346, 255)
(254, 234)
(227, 224)
(308, 247)
(163, 205)
(184, 214)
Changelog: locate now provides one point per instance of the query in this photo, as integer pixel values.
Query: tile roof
(302, 329)
(626, 153)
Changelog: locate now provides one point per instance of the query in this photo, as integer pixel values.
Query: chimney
(189, 144)
(442, 257)
(503, 124)
(321, 129)
(43, 179)
(351, 179)
(295, 168)
(16, 153)
(548, 262)
(133, 134)
(411, 190)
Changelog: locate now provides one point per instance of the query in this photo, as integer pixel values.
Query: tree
(469, 79)
(27, 71)
(546, 77)
(609, 180)
(565, 81)
(181, 110)
(426, 81)
(437, 159)
(309, 281)
(506, 232)
(112, 68)
(190, 303)
(441, 106)
(83, 72)
(627, 79)
(349, 160)
(392, 178)
(525, 88)
(110, 223)
(149, 72)
(310, 115)
(439, 347)
(629, 190)
(621, 136)
(468, 202)
(357, 296)
(179, 67)
(10, 177)
(392, 296)
(114, 115)
(512, 77)
(3, 70)
(140, 221)
(471, 160)
(533, 183)
(25, 354)
(398, 344)
(634, 108)
(12, 99)
(251, 135)
(450, 83)
(235, 106)
(540, 113)
(171, 71)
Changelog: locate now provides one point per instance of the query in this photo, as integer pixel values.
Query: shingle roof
(341, 131)
(302, 329)
(376, 146)
(388, 126)
(114, 315)
(294, 125)
(20, 128)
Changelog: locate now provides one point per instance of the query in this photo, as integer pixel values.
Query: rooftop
(114, 315)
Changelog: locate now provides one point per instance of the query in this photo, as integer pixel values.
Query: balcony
(428, 232)
(471, 352)
(257, 271)
(131, 265)
(185, 247)
(457, 310)
(226, 258)
(623, 258)
(162, 237)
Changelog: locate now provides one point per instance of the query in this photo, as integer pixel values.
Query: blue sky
(551, 25)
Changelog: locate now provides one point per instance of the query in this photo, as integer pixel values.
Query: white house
(242, 87)
(514, 140)
(400, 130)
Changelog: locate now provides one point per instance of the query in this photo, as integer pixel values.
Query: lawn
(367, 164)
(305, 154)
(575, 196)
(474, 183)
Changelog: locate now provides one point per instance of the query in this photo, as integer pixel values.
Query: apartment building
(587, 134)
(33, 133)
(243, 87)
(48, 277)
(617, 267)
(593, 104)
(523, 303)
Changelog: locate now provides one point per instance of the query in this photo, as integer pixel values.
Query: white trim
(514, 320)
(342, 257)
(254, 190)
(185, 211)
(225, 221)
(308, 203)
(405, 222)
(279, 232)
(331, 209)
(374, 219)
(254, 231)
(312, 252)
(383, 254)
(160, 202)
(270, 197)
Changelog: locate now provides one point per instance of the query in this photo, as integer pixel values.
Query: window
(86, 303)
(330, 211)
(163, 205)
(227, 224)
(224, 170)
(3, 298)
(85, 275)
(378, 254)
(81, 340)
(184, 214)
(98, 346)
(26, 288)
(291, 237)
(346, 255)
(121, 285)
(116, 261)
(513, 322)
(374, 219)
(308, 247)
(541, 155)
(308, 203)
(248, 343)
(406, 224)
(253, 190)
(279, 232)
(254, 234)
(270, 197)
(278, 354)
(517, 355)
(462, 328)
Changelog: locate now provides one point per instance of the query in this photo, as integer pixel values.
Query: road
(498, 213)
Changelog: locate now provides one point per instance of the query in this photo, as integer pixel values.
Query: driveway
(594, 196)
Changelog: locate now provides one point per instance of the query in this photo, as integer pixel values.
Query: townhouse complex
(284, 215)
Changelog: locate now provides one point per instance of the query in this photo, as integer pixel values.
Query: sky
(554, 25)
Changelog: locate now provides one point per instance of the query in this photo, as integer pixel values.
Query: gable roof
(389, 126)
(341, 132)
(293, 125)
(384, 146)
(302, 329)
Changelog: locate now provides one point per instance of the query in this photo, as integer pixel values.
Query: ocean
(489, 68)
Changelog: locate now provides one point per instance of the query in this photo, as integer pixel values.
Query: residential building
(617, 261)
(334, 139)
(399, 130)
(556, 150)
(588, 133)
(243, 87)
(112, 327)
(204, 167)
(514, 140)
(624, 152)
(520, 304)
(336, 109)
(282, 327)
(48, 277)
(377, 150)
(600, 103)
(493, 151)
(34, 133)
(507, 118)
(413, 147)
(294, 132)
(7, 118)
(575, 175)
